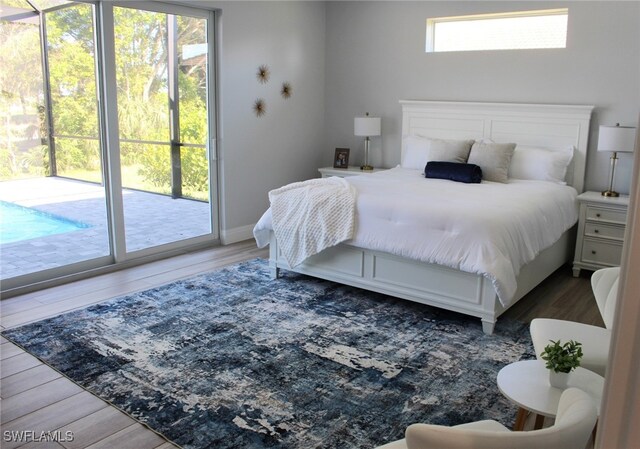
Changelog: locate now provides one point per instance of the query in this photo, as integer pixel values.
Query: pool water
(23, 223)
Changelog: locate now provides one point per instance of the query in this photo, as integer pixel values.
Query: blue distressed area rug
(234, 359)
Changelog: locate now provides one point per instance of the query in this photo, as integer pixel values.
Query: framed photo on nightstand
(341, 158)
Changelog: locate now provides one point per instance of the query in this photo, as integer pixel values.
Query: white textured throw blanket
(312, 215)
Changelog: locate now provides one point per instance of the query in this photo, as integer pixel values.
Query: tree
(142, 90)
(21, 151)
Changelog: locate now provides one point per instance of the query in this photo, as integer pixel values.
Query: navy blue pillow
(453, 171)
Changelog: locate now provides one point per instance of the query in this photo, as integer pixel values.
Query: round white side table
(526, 383)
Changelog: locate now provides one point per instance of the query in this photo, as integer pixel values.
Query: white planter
(558, 380)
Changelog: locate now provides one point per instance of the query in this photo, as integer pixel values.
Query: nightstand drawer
(604, 253)
(604, 231)
(602, 214)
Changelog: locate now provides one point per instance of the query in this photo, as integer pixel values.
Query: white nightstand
(344, 172)
(600, 231)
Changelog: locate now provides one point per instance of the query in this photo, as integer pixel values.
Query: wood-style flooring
(36, 398)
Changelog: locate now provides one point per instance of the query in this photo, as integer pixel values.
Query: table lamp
(367, 127)
(615, 138)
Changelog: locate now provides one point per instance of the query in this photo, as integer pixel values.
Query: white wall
(376, 56)
(284, 145)
(346, 58)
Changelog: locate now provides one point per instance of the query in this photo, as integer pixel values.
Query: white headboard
(543, 125)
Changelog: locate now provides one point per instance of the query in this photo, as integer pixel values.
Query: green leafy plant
(562, 358)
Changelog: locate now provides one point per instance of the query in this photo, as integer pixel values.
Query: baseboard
(229, 236)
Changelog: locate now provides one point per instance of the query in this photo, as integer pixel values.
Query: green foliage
(77, 154)
(72, 73)
(562, 358)
(142, 96)
(193, 111)
(19, 55)
(156, 166)
(195, 170)
(18, 164)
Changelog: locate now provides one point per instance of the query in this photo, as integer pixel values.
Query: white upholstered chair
(572, 429)
(595, 340)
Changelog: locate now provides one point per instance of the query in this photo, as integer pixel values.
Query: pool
(23, 223)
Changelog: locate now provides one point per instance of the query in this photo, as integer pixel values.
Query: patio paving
(150, 220)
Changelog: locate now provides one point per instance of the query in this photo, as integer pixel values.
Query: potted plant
(561, 360)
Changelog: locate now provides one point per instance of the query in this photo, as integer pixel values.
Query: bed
(443, 285)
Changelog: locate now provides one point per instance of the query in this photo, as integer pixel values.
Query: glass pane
(7, 6)
(46, 4)
(141, 68)
(49, 222)
(192, 79)
(152, 216)
(18, 11)
(72, 71)
(146, 167)
(79, 159)
(195, 173)
(22, 153)
(161, 184)
(522, 30)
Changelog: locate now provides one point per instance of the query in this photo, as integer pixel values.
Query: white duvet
(491, 229)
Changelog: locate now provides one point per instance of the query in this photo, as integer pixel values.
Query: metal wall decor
(263, 74)
(259, 107)
(285, 90)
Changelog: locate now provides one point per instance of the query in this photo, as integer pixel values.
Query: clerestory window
(502, 31)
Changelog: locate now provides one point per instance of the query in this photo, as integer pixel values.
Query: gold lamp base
(610, 193)
(366, 167)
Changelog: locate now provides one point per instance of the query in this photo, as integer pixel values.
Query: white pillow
(540, 164)
(415, 154)
(493, 158)
(420, 150)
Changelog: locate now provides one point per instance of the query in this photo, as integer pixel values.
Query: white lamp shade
(366, 126)
(617, 138)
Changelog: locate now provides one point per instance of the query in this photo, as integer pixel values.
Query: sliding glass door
(52, 193)
(162, 68)
(115, 143)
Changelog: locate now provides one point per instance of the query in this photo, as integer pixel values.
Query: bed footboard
(403, 278)
(430, 284)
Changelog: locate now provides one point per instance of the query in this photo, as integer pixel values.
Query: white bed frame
(550, 126)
